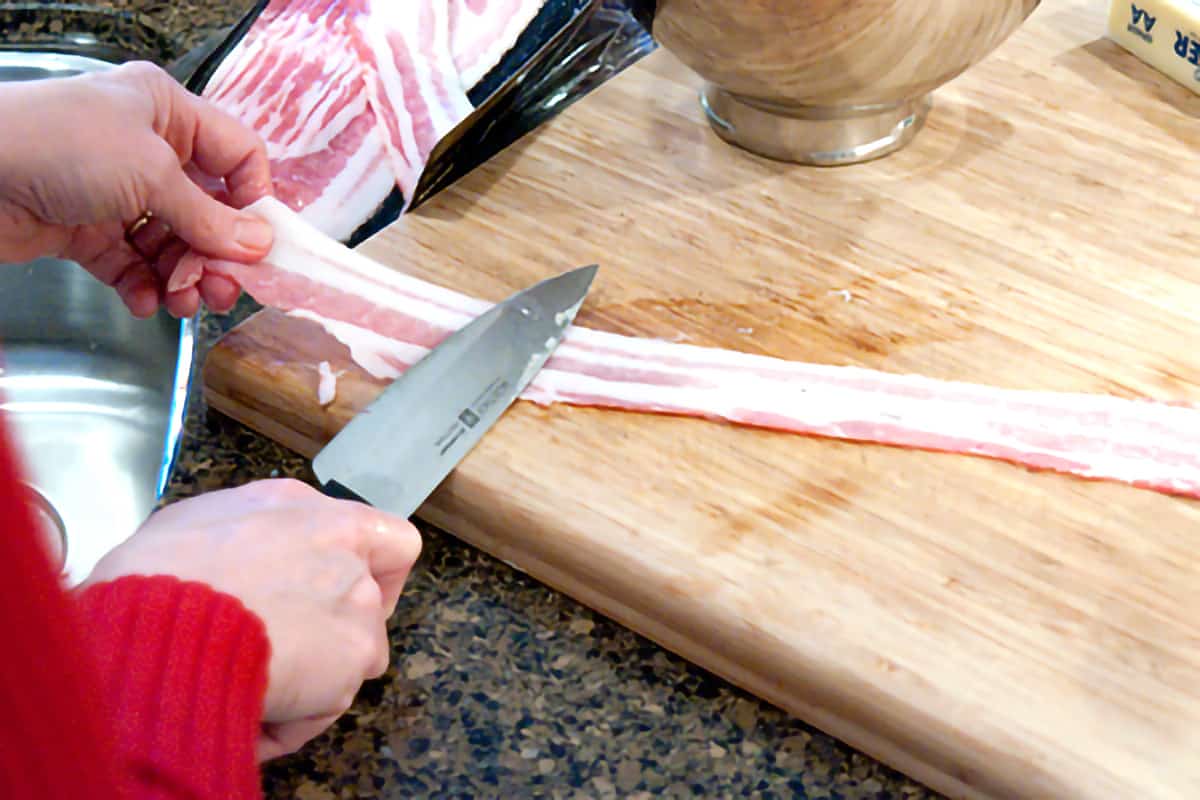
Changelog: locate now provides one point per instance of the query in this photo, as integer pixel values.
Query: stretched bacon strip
(389, 320)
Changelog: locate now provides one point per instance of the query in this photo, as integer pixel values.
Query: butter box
(1165, 34)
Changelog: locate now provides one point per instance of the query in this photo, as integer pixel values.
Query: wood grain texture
(993, 632)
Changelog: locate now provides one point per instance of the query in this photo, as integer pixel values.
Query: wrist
(25, 160)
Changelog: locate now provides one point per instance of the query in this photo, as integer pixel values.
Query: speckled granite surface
(500, 687)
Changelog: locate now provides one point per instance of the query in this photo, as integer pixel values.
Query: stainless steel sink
(96, 397)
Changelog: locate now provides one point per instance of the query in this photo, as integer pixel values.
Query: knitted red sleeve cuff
(184, 673)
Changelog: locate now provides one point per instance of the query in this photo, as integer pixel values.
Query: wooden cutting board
(991, 631)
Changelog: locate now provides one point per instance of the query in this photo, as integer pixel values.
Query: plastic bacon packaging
(370, 107)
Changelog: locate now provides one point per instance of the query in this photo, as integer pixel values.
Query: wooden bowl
(829, 81)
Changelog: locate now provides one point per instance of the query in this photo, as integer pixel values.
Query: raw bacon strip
(390, 320)
(296, 78)
(411, 81)
(482, 31)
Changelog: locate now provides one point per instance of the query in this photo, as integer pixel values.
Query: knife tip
(587, 275)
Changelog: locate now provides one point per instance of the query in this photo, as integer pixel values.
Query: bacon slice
(389, 320)
(411, 80)
(297, 80)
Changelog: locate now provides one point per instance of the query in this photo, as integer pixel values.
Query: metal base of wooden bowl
(816, 135)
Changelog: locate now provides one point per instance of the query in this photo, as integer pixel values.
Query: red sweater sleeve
(183, 671)
(145, 687)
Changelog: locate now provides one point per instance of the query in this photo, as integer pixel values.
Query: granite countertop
(499, 687)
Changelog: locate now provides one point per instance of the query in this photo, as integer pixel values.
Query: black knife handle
(339, 492)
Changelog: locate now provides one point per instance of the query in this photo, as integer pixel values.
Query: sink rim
(52, 60)
(181, 389)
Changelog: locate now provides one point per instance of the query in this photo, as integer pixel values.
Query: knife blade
(395, 452)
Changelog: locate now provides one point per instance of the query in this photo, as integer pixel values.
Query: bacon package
(370, 107)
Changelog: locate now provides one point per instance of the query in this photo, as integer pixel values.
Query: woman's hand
(83, 159)
(324, 575)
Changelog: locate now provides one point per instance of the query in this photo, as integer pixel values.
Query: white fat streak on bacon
(411, 81)
(389, 320)
(482, 31)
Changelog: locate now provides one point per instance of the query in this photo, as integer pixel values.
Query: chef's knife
(397, 450)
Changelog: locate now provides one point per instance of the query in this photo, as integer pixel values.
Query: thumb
(206, 224)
